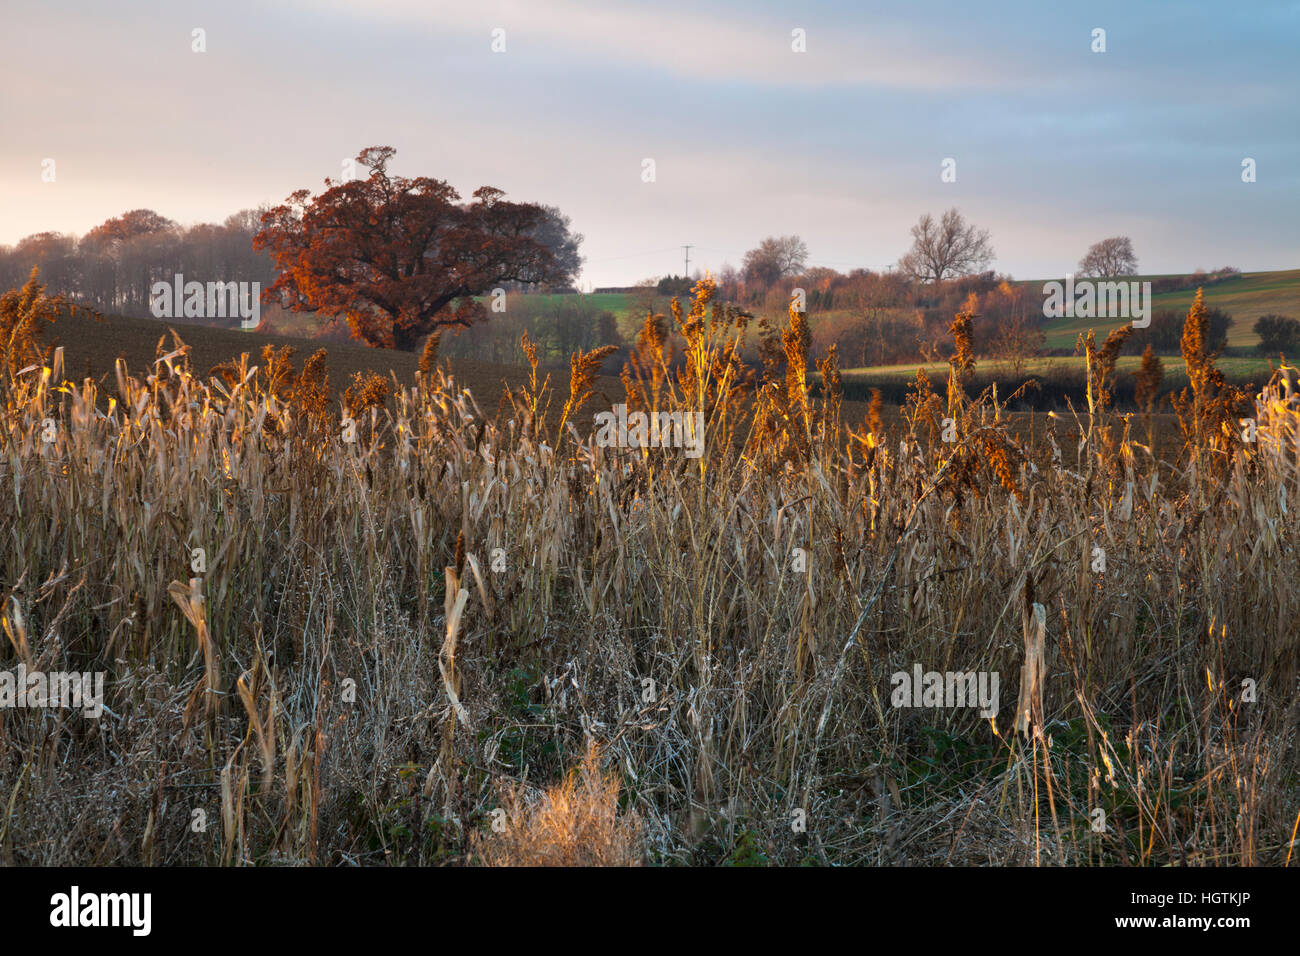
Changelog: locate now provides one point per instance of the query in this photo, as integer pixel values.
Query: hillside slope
(1245, 299)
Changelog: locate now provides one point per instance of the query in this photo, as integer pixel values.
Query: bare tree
(643, 300)
(949, 247)
(1110, 257)
(728, 282)
(775, 259)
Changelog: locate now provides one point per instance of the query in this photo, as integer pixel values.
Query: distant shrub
(1277, 333)
(1166, 330)
(675, 285)
(1196, 280)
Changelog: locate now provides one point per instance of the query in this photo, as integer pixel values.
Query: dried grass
(574, 823)
(454, 601)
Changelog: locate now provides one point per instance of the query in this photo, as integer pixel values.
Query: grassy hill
(1245, 299)
(616, 302)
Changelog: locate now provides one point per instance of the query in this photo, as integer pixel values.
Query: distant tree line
(899, 315)
(396, 257)
(113, 266)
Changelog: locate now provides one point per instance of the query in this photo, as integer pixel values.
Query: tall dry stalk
(725, 629)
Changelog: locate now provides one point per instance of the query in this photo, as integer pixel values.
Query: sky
(844, 144)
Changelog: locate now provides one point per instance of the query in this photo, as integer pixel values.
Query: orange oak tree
(400, 257)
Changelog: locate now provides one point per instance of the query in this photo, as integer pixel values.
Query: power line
(729, 253)
(635, 255)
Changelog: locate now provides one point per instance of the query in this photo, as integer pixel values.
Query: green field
(615, 302)
(307, 324)
(1234, 368)
(1245, 299)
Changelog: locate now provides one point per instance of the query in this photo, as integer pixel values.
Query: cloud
(742, 47)
(1055, 146)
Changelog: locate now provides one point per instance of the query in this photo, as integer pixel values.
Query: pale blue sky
(1056, 146)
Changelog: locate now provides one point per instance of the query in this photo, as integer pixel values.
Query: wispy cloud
(745, 45)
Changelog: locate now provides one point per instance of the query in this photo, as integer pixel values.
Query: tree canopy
(775, 259)
(401, 257)
(947, 248)
(1110, 257)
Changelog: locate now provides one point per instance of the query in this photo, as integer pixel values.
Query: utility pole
(687, 273)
